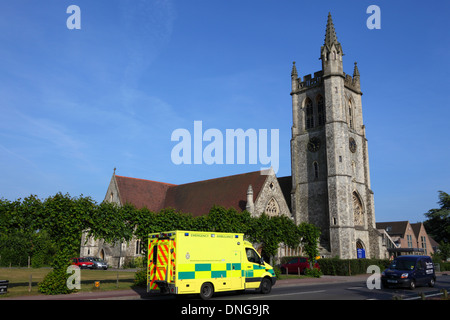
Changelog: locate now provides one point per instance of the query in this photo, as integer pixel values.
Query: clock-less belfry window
(309, 114)
(320, 110)
(350, 114)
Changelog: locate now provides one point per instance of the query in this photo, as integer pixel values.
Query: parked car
(98, 263)
(296, 265)
(83, 263)
(409, 271)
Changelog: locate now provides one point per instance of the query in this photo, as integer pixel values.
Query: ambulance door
(234, 271)
(250, 267)
(160, 264)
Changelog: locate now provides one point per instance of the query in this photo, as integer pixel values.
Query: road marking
(286, 294)
(426, 296)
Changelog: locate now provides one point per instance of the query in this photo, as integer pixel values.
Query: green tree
(63, 218)
(271, 232)
(18, 230)
(310, 234)
(438, 220)
(227, 220)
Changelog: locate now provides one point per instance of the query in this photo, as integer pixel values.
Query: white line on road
(287, 294)
(426, 296)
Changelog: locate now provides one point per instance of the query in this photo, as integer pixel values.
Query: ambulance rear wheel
(266, 286)
(206, 291)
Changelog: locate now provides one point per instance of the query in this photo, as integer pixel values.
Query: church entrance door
(360, 251)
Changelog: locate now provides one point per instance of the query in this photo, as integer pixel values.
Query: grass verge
(19, 280)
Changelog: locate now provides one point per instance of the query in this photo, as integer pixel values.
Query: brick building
(407, 238)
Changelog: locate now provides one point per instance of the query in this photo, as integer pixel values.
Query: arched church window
(272, 208)
(358, 211)
(138, 247)
(350, 114)
(309, 114)
(320, 110)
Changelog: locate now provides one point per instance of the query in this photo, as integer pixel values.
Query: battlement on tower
(309, 81)
(352, 83)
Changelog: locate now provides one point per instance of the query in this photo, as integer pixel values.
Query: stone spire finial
(330, 35)
(294, 70)
(355, 70)
(355, 80)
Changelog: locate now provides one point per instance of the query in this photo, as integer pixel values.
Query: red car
(83, 263)
(296, 265)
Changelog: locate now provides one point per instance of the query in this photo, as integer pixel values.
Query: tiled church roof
(142, 193)
(196, 198)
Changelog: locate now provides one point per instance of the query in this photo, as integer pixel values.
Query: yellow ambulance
(192, 262)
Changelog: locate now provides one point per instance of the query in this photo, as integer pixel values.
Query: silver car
(98, 263)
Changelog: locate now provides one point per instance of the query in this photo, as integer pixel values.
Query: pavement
(139, 292)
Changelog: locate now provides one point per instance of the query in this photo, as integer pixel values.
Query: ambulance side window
(252, 256)
(155, 253)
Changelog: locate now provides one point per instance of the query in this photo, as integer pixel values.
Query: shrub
(55, 283)
(138, 262)
(314, 272)
(140, 277)
(277, 272)
(445, 266)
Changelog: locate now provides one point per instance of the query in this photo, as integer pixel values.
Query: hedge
(348, 267)
(445, 266)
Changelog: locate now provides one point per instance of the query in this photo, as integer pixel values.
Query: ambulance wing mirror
(261, 261)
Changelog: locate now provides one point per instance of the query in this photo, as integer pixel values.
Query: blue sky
(75, 104)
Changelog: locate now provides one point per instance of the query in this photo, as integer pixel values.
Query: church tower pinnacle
(331, 52)
(330, 35)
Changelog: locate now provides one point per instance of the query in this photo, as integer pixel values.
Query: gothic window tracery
(358, 212)
(320, 110)
(350, 114)
(309, 114)
(272, 208)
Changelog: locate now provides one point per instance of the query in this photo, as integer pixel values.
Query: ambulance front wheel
(206, 291)
(266, 286)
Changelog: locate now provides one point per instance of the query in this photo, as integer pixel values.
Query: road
(352, 288)
(324, 288)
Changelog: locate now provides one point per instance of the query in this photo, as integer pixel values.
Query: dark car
(409, 271)
(296, 265)
(83, 263)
